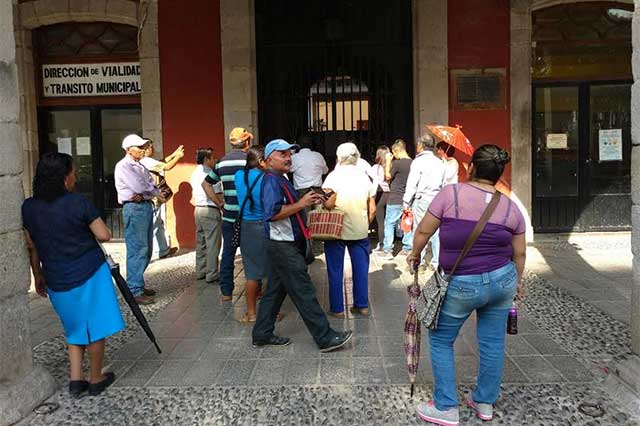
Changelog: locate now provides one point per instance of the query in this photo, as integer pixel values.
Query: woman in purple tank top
(486, 281)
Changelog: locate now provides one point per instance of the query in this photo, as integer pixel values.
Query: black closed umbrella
(129, 298)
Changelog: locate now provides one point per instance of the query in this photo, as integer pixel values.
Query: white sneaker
(483, 411)
(428, 412)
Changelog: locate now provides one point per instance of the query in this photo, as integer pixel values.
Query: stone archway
(541, 4)
(36, 13)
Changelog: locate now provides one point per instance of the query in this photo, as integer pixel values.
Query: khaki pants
(208, 242)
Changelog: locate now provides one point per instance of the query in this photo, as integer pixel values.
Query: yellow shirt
(353, 188)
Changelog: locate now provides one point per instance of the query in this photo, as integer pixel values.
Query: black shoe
(78, 387)
(97, 388)
(272, 341)
(338, 341)
(148, 292)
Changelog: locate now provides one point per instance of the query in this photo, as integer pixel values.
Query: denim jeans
(391, 219)
(491, 295)
(359, 253)
(419, 209)
(160, 245)
(287, 275)
(138, 239)
(228, 258)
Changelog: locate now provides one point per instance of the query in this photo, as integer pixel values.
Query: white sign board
(610, 143)
(557, 141)
(108, 79)
(64, 145)
(83, 145)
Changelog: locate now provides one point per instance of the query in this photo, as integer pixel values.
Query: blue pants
(228, 257)
(160, 245)
(490, 295)
(420, 208)
(138, 238)
(391, 219)
(359, 253)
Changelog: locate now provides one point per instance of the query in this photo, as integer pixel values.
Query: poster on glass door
(610, 143)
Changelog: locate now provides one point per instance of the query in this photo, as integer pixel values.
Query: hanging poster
(557, 141)
(83, 145)
(64, 145)
(610, 143)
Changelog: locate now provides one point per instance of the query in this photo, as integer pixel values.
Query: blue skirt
(89, 312)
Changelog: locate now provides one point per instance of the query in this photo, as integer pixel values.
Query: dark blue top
(273, 198)
(252, 211)
(60, 231)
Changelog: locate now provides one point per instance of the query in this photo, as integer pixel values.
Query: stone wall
(635, 180)
(22, 385)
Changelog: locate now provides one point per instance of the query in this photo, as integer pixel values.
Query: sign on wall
(610, 143)
(557, 141)
(108, 79)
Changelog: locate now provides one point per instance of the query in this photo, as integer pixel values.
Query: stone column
(635, 180)
(430, 64)
(22, 384)
(239, 86)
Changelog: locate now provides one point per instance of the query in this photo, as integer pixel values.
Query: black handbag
(237, 225)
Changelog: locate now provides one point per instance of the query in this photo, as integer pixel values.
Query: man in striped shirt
(224, 171)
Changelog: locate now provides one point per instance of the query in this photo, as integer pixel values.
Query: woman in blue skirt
(61, 229)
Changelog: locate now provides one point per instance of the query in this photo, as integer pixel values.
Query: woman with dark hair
(61, 230)
(486, 281)
(376, 173)
(248, 186)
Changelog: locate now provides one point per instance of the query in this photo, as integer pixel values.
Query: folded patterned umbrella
(412, 332)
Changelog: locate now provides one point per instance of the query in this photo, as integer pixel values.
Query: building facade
(548, 80)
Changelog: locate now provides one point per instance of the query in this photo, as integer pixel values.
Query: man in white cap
(136, 189)
(284, 220)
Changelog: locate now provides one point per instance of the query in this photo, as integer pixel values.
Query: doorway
(582, 155)
(92, 136)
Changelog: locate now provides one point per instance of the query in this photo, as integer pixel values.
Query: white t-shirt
(153, 165)
(308, 167)
(451, 171)
(353, 190)
(199, 196)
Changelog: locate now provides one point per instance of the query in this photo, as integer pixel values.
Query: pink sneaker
(483, 411)
(428, 412)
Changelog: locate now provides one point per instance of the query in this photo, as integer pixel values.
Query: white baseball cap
(133, 140)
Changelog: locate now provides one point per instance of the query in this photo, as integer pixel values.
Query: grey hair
(426, 142)
(347, 154)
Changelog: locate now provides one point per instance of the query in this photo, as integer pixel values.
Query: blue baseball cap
(278, 145)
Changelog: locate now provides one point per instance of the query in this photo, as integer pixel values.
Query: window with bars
(338, 104)
(478, 89)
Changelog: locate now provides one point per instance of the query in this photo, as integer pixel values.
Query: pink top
(459, 208)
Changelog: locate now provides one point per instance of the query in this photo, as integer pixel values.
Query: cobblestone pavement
(209, 373)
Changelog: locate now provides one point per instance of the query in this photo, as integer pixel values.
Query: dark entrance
(336, 70)
(93, 137)
(582, 117)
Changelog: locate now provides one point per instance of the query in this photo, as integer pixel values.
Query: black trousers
(287, 274)
(381, 209)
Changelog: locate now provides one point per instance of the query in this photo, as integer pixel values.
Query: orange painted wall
(479, 37)
(192, 109)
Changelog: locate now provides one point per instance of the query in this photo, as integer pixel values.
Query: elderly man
(307, 167)
(426, 178)
(287, 270)
(224, 171)
(136, 189)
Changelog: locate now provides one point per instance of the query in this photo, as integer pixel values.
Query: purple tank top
(459, 208)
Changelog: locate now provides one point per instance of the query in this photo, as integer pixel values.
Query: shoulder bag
(237, 225)
(432, 294)
(165, 190)
(307, 252)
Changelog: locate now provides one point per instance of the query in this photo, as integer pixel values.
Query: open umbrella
(129, 298)
(453, 136)
(412, 332)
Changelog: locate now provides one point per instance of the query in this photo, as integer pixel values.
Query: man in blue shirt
(287, 271)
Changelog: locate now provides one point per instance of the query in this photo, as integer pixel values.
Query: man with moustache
(284, 217)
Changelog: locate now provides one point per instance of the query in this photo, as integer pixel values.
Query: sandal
(247, 319)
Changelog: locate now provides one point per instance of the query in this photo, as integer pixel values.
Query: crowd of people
(257, 199)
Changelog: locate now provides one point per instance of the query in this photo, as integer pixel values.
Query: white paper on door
(610, 144)
(64, 145)
(83, 145)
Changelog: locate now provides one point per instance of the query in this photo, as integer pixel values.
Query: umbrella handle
(112, 263)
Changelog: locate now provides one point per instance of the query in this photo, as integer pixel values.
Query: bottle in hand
(512, 320)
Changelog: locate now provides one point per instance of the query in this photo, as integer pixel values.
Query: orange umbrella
(453, 136)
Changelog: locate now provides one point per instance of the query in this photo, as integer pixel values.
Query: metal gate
(336, 71)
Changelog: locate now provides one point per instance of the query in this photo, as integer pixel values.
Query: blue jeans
(359, 253)
(138, 238)
(491, 295)
(160, 245)
(228, 258)
(391, 219)
(420, 208)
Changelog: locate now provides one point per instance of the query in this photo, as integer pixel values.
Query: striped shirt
(224, 171)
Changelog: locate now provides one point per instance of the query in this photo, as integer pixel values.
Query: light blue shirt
(252, 211)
